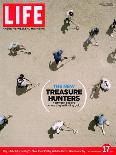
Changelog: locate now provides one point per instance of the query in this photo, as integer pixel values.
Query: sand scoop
(69, 59)
(76, 26)
(72, 57)
(35, 84)
(75, 131)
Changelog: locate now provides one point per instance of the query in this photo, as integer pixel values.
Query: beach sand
(30, 123)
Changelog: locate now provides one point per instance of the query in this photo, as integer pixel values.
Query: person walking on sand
(103, 85)
(58, 126)
(58, 56)
(23, 82)
(69, 18)
(101, 122)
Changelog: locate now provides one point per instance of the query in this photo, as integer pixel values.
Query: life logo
(24, 15)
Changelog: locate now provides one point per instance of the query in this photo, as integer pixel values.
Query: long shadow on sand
(111, 57)
(93, 123)
(110, 30)
(21, 91)
(51, 133)
(87, 43)
(53, 66)
(15, 53)
(95, 91)
(64, 27)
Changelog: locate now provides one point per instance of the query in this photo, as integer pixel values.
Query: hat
(21, 75)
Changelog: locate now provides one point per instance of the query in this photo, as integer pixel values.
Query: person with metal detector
(101, 122)
(70, 15)
(58, 126)
(14, 47)
(23, 82)
(58, 56)
(103, 85)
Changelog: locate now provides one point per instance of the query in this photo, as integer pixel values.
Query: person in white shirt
(105, 84)
(23, 82)
(57, 126)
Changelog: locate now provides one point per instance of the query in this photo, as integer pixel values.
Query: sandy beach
(30, 123)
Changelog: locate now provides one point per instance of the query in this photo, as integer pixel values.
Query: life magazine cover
(57, 73)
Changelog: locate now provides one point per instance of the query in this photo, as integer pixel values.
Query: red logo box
(24, 15)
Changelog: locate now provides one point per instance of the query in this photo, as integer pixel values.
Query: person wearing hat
(14, 47)
(102, 121)
(23, 82)
(57, 126)
(105, 84)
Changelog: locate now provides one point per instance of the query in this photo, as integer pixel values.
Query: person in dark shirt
(58, 56)
(94, 32)
(69, 14)
(111, 28)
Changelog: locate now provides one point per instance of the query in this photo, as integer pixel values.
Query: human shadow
(106, 4)
(93, 123)
(95, 91)
(3, 125)
(65, 26)
(12, 53)
(53, 66)
(87, 43)
(15, 52)
(21, 91)
(51, 133)
(110, 30)
(111, 57)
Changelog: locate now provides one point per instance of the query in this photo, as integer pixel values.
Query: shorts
(100, 125)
